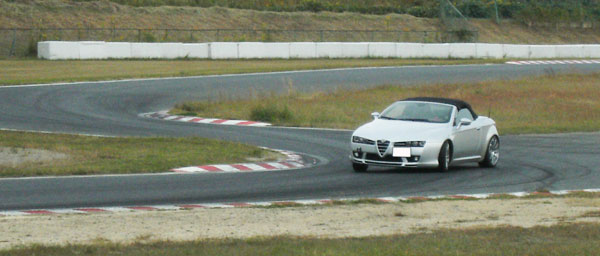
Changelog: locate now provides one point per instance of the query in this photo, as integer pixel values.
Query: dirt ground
(318, 221)
(15, 156)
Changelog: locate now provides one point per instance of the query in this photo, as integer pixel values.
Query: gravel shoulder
(358, 220)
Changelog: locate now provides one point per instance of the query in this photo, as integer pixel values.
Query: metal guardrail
(23, 41)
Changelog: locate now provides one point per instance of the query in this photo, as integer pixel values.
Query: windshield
(418, 112)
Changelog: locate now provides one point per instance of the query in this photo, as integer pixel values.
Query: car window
(463, 113)
(418, 111)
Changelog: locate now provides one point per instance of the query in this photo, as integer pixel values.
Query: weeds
(547, 104)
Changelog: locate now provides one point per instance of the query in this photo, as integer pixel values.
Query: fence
(23, 41)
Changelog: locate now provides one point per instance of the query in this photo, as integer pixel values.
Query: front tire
(359, 167)
(492, 154)
(444, 157)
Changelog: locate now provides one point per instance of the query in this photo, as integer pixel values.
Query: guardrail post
(321, 36)
(218, 32)
(12, 46)
(139, 35)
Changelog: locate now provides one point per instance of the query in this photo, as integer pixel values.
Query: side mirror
(375, 115)
(464, 122)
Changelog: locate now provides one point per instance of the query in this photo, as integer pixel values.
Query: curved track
(567, 161)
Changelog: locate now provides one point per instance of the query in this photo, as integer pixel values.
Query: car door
(466, 137)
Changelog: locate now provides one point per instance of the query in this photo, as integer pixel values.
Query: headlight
(362, 140)
(419, 144)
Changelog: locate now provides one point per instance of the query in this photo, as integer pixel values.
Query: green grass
(549, 104)
(98, 155)
(30, 71)
(564, 239)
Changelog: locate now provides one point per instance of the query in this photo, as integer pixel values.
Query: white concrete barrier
(489, 51)
(569, 51)
(92, 50)
(463, 50)
(409, 50)
(355, 50)
(223, 50)
(61, 50)
(591, 51)
(146, 51)
(43, 50)
(117, 50)
(436, 50)
(542, 51)
(200, 51)
(171, 50)
(515, 51)
(382, 50)
(330, 50)
(303, 50)
(258, 50)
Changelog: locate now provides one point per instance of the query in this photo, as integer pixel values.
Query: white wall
(116, 50)
(409, 50)
(542, 51)
(200, 51)
(382, 50)
(515, 51)
(329, 50)
(303, 50)
(489, 51)
(224, 51)
(257, 50)
(591, 51)
(463, 51)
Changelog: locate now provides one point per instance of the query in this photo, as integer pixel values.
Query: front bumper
(426, 156)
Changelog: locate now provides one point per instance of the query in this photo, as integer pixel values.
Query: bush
(473, 9)
(311, 5)
(270, 113)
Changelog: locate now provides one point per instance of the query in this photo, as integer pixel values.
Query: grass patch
(548, 104)
(98, 155)
(565, 239)
(29, 71)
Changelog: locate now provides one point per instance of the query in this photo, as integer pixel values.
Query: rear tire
(445, 157)
(492, 154)
(359, 167)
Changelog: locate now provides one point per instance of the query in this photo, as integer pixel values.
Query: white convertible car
(426, 132)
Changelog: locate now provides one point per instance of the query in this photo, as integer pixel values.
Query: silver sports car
(426, 132)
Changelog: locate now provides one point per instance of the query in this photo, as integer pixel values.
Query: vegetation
(553, 103)
(13, 72)
(101, 155)
(530, 10)
(564, 239)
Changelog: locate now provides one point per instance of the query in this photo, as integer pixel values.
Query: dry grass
(40, 71)
(558, 103)
(566, 239)
(97, 155)
(55, 13)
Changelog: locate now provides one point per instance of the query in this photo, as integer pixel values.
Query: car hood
(395, 130)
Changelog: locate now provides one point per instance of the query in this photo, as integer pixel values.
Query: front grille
(388, 158)
(402, 144)
(382, 146)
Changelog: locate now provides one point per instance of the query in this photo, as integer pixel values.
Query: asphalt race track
(528, 163)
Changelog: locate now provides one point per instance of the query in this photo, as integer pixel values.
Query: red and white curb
(164, 115)
(292, 161)
(275, 203)
(548, 62)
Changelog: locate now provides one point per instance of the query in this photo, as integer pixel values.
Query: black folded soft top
(458, 103)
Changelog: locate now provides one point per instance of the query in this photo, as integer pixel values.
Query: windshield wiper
(414, 119)
(388, 118)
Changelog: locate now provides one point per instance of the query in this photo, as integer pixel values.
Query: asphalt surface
(527, 163)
